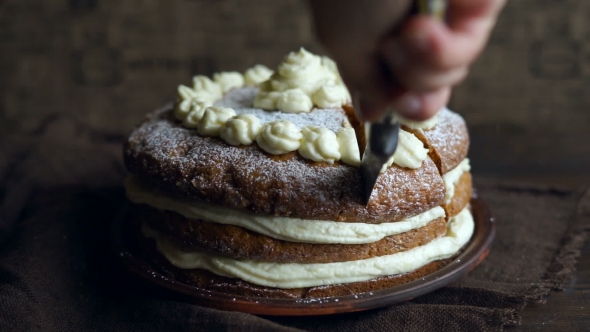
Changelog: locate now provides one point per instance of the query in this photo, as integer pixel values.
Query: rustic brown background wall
(104, 63)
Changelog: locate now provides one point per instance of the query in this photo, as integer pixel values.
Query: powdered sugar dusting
(163, 153)
(449, 138)
(238, 98)
(241, 100)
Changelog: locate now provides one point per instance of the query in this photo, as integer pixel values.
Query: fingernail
(409, 105)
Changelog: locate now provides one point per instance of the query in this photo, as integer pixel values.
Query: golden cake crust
(461, 196)
(177, 161)
(448, 141)
(240, 243)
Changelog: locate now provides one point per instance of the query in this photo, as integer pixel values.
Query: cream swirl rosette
(186, 98)
(278, 137)
(241, 129)
(213, 119)
(330, 96)
(348, 147)
(228, 80)
(301, 82)
(256, 75)
(319, 144)
(308, 73)
(266, 100)
(301, 70)
(294, 101)
(195, 114)
(205, 86)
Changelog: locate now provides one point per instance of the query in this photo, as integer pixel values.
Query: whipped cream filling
(451, 178)
(283, 228)
(294, 275)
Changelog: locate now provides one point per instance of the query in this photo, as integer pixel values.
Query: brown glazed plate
(471, 255)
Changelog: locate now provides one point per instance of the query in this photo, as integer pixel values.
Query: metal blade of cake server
(381, 145)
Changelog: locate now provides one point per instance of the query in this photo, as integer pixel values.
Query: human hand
(409, 63)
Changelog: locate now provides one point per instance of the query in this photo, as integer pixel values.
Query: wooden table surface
(568, 310)
(564, 311)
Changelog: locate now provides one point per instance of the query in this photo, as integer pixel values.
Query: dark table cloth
(61, 189)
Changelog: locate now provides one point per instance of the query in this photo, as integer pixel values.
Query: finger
(351, 31)
(460, 11)
(463, 36)
(444, 45)
(435, 45)
(372, 107)
(350, 27)
(420, 107)
(412, 106)
(374, 87)
(421, 79)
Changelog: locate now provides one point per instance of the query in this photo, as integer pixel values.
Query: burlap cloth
(62, 186)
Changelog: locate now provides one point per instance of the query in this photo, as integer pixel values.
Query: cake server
(382, 135)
